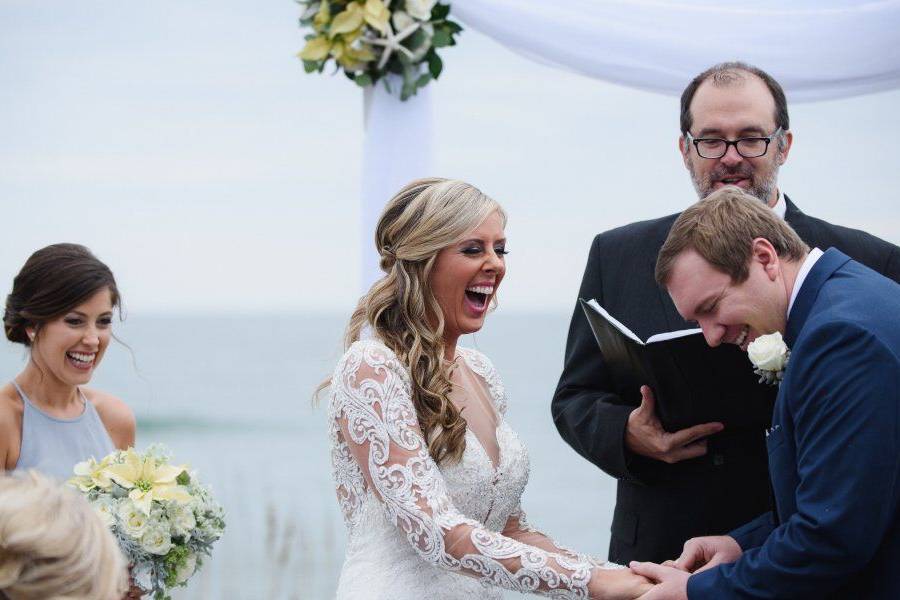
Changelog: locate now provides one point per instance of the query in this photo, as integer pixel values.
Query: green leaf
(435, 64)
(394, 66)
(310, 66)
(423, 80)
(441, 38)
(440, 11)
(363, 79)
(416, 39)
(453, 27)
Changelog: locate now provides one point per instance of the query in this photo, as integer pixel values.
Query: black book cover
(689, 387)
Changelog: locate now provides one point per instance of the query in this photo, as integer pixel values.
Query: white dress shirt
(780, 206)
(811, 258)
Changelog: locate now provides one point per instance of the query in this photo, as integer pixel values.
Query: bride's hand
(617, 584)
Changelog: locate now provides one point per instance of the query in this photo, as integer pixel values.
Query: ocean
(231, 396)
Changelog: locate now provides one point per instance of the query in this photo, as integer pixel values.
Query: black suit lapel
(798, 221)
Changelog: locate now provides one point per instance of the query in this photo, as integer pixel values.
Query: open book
(690, 384)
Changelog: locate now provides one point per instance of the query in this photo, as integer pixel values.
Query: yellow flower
(376, 14)
(352, 59)
(90, 474)
(147, 480)
(348, 20)
(322, 17)
(316, 48)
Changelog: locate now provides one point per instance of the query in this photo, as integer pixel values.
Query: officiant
(710, 477)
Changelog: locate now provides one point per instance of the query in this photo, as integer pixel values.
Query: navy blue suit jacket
(834, 450)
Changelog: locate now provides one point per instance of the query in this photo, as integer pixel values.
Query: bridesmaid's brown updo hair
(53, 281)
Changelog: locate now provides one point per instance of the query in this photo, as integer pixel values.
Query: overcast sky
(183, 143)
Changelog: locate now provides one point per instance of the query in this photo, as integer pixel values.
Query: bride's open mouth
(478, 296)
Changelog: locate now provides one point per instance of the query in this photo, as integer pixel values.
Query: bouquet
(164, 520)
(369, 39)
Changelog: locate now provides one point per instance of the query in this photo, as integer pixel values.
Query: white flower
(401, 20)
(186, 569)
(133, 519)
(182, 519)
(769, 354)
(156, 540)
(105, 506)
(420, 9)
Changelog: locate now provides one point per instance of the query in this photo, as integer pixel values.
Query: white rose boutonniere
(769, 355)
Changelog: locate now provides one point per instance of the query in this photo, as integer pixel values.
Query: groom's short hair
(721, 228)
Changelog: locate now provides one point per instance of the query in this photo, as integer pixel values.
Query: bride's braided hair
(423, 218)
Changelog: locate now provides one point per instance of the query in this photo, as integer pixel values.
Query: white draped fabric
(397, 148)
(817, 49)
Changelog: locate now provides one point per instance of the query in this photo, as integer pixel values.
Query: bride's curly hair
(422, 219)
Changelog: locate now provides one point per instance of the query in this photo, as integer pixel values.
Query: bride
(428, 473)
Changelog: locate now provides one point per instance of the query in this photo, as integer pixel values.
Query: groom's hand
(644, 434)
(704, 553)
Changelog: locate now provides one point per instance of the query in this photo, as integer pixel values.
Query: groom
(834, 447)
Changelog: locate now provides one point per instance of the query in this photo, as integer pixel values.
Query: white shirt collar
(811, 258)
(780, 206)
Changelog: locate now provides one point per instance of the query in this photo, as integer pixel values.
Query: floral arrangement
(769, 355)
(163, 519)
(370, 39)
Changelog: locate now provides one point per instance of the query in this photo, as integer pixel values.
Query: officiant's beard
(762, 185)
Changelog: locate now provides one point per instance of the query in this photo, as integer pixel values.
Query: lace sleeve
(518, 528)
(373, 409)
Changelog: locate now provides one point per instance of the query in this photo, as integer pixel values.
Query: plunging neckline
(495, 467)
(472, 393)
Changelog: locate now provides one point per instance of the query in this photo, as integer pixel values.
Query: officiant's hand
(704, 553)
(644, 434)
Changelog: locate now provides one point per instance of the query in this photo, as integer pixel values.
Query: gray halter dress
(53, 446)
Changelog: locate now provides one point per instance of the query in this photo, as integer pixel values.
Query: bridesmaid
(61, 309)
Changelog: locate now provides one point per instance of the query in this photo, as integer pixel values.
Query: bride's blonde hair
(422, 219)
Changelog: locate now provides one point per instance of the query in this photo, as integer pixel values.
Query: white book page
(671, 335)
(659, 337)
(621, 327)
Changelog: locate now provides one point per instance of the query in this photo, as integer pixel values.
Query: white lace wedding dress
(417, 530)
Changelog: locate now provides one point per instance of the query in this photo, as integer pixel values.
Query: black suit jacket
(658, 505)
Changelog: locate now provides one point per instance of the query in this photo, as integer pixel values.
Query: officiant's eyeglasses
(748, 147)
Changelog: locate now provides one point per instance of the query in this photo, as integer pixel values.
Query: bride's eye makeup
(473, 249)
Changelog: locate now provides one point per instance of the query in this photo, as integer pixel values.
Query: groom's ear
(763, 253)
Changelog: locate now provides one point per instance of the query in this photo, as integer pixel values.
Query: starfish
(391, 42)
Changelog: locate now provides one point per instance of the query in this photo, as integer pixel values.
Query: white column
(398, 148)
